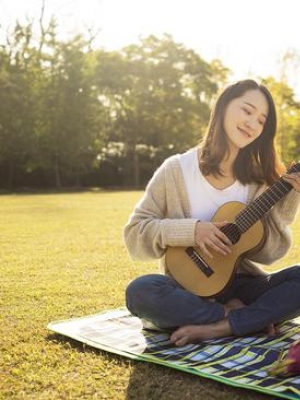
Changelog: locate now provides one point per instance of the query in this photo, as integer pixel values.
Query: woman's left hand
(293, 179)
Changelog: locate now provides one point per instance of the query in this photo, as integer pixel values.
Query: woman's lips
(244, 132)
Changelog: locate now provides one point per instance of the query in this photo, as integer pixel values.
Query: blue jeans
(269, 299)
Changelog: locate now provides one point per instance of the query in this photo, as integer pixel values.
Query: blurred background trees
(74, 116)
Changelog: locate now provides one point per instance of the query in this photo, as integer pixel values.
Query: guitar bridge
(199, 262)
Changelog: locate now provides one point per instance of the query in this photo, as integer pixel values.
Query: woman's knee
(140, 290)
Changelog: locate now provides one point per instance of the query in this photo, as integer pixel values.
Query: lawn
(62, 256)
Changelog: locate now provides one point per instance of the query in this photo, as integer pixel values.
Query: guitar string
(246, 218)
(279, 189)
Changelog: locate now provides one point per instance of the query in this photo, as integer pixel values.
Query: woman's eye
(247, 111)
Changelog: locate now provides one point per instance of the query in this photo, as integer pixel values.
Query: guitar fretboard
(260, 206)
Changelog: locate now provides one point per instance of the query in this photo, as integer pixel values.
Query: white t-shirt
(205, 199)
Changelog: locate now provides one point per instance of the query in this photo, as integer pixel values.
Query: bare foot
(233, 304)
(272, 330)
(196, 333)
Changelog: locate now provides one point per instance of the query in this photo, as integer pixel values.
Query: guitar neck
(260, 206)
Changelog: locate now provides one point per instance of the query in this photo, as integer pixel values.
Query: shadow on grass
(153, 382)
(156, 382)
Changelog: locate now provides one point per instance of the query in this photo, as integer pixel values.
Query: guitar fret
(243, 220)
(246, 218)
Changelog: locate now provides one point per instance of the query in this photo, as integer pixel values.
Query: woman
(236, 161)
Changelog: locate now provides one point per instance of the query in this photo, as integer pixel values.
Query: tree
(66, 107)
(159, 95)
(69, 110)
(17, 75)
(288, 132)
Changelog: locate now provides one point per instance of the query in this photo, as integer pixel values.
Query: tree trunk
(11, 175)
(136, 168)
(77, 179)
(57, 174)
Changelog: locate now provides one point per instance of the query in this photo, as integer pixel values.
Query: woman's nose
(251, 124)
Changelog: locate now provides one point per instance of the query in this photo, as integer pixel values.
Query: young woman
(236, 161)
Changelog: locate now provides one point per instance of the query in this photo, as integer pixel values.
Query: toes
(180, 341)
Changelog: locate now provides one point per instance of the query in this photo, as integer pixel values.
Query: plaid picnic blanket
(241, 362)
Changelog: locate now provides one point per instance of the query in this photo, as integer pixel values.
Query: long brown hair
(258, 161)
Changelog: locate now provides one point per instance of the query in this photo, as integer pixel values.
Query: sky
(249, 36)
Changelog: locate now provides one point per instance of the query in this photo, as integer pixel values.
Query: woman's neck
(226, 165)
(220, 182)
(227, 177)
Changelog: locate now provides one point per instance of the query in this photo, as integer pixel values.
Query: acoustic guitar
(209, 277)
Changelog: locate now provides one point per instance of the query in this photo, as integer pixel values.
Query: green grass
(62, 256)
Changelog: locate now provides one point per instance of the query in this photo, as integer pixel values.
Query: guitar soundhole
(232, 232)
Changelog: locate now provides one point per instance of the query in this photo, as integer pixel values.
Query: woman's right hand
(208, 237)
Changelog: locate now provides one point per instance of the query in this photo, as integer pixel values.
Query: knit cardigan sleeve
(162, 216)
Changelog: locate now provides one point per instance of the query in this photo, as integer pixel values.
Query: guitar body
(207, 277)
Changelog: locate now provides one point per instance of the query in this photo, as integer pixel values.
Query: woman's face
(244, 119)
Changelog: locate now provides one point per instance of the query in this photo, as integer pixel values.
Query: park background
(93, 96)
(99, 93)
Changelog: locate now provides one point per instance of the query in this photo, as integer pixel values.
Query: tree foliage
(73, 115)
(159, 95)
(288, 113)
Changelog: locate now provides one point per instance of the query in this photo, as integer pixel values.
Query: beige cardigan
(162, 218)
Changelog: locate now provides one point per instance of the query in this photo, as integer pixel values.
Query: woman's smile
(245, 133)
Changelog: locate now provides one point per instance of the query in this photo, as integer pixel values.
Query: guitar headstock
(295, 167)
